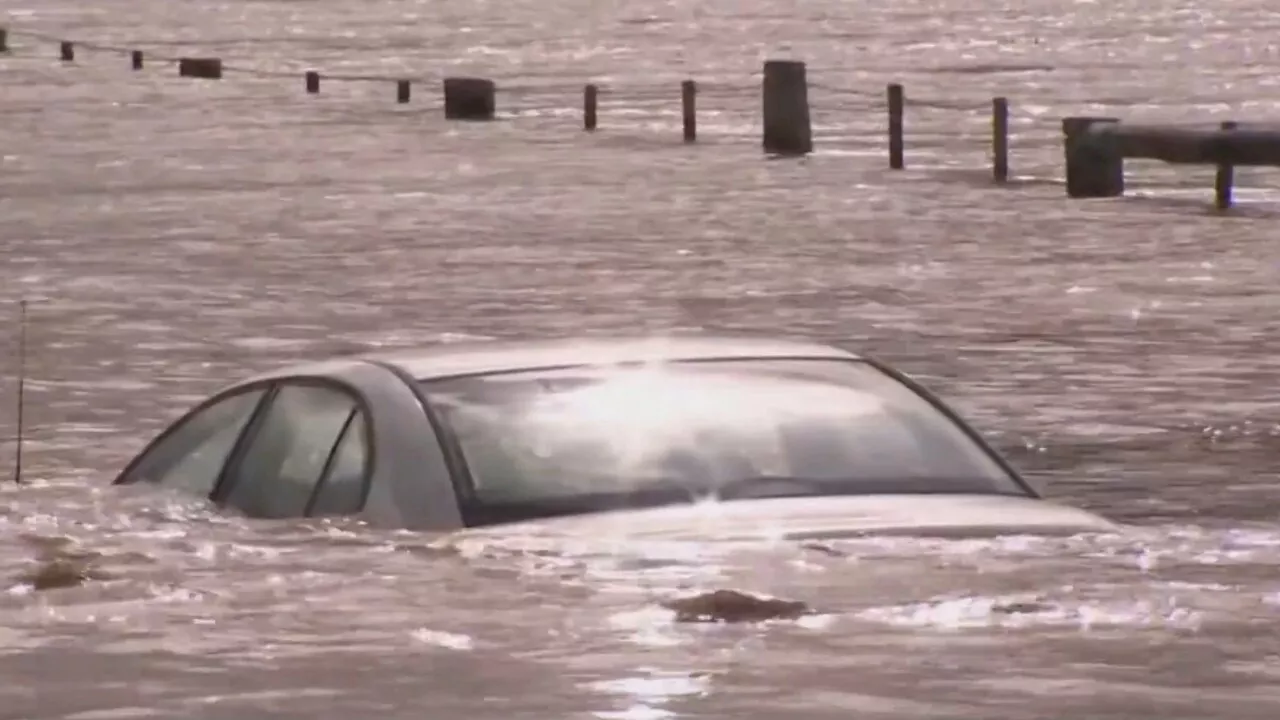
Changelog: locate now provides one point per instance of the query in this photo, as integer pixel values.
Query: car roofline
(503, 356)
(482, 357)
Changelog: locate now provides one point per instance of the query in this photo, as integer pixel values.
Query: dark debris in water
(732, 606)
(60, 564)
(58, 573)
(1021, 607)
(824, 549)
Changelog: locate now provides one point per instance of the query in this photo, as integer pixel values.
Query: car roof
(479, 357)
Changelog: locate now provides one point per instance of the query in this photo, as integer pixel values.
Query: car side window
(190, 457)
(342, 491)
(288, 451)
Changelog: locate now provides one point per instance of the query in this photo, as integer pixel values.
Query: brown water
(174, 235)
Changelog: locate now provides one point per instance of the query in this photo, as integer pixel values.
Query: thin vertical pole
(1000, 139)
(897, 103)
(1225, 178)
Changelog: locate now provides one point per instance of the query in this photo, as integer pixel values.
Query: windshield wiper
(766, 486)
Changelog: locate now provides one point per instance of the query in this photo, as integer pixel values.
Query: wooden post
(4, 39)
(589, 99)
(1095, 167)
(787, 130)
(402, 91)
(312, 80)
(1225, 178)
(689, 109)
(1000, 139)
(135, 59)
(67, 51)
(204, 68)
(897, 105)
(467, 98)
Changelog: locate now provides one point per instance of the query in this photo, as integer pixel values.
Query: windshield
(590, 438)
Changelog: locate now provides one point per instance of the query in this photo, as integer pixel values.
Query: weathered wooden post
(1225, 177)
(402, 91)
(589, 99)
(203, 67)
(787, 130)
(135, 59)
(1000, 139)
(312, 80)
(1095, 167)
(67, 51)
(4, 39)
(689, 109)
(897, 106)
(467, 98)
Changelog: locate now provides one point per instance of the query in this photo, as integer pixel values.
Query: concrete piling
(785, 95)
(1095, 168)
(205, 68)
(469, 98)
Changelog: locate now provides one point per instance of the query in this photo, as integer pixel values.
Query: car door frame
(269, 387)
(223, 485)
(264, 385)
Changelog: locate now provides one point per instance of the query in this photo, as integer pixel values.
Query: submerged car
(687, 436)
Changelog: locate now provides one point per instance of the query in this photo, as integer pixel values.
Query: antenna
(22, 387)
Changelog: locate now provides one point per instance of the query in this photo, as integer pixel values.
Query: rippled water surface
(173, 235)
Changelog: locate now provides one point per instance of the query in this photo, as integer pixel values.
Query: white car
(686, 436)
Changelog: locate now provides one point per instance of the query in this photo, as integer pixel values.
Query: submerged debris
(1021, 607)
(57, 573)
(824, 549)
(733, 606)
(61, 563)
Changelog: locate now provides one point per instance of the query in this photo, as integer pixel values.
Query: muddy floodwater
(172, 235)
